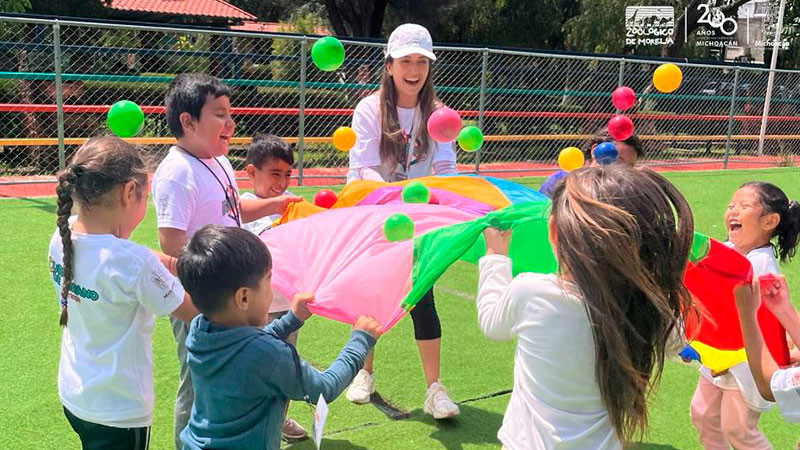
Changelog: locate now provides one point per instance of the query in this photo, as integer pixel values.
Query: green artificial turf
(477, 372)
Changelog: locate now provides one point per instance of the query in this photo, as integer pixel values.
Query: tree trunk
(376, 19)
(337, 22)
(356, 17)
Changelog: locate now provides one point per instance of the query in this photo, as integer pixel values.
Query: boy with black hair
(243, 371)
(195, 185)
(269, 168)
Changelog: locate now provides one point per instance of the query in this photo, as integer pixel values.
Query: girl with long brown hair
(392, 144)
(591, 338)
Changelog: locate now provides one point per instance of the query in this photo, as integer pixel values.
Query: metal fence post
(730, 118)
(59, 94)
(482, 103)
(621, 78)
(302, 112)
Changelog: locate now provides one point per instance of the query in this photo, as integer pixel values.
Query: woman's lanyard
(408, 147)
(233, 203)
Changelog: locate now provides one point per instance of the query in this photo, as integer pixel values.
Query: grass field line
(456, 292)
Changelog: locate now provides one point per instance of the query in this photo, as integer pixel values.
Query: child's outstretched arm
(339, 374)
(494, 307)
(254, 209)
(290, 323)
(776, 298)
(170, 262)
(760, 361)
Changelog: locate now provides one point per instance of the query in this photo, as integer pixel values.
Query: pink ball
(444, 125)
(623, 98)
(620, 127)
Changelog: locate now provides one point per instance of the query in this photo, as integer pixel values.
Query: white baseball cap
(408, 39)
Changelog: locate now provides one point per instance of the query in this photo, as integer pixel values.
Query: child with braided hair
(109, 290)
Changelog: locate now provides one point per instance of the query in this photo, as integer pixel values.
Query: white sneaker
(438, 404)
(362, 387)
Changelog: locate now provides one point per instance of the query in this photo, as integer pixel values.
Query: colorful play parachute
(353, 270)
(343, 257)
(478, 195)
(713, 271)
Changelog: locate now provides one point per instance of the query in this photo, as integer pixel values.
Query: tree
(14, 6)
(271, 11)
(600, 26)
(362, 18)
(73, 8)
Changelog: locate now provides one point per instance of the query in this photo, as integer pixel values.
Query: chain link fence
(58, 79)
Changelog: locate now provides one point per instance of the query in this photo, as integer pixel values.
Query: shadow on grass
(646, 446)
(472, 426)
(327, 444)
(44, 204)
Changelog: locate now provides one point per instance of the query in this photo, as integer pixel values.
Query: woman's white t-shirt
(105, 374)
(556, 401)
(739, 376)
(366, 152)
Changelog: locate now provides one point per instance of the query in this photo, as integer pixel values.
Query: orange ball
(667, 77)
(344, 138)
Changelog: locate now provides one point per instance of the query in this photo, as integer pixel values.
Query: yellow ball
(667, 77)
(570, 158)
(344, 138)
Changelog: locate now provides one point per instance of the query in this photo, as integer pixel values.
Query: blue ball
(689, 354)
(606, 153)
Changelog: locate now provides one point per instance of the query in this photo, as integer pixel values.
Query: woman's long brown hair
(391, 145)
(623, 236)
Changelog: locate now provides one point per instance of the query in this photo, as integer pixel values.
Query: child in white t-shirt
(109, 289)
(726, 407)
(591, 337)
(195, 185)
(269, 168)
(774, 384)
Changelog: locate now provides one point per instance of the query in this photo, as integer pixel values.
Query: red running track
(503, 170)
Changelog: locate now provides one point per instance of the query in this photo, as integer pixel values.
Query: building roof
(201, 8)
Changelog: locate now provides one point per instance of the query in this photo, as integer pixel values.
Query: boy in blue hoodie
(243, 371)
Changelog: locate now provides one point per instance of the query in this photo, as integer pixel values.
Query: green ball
(416, 192)
(125, 118)
(327, 53)
(470, 138)
(398, 227)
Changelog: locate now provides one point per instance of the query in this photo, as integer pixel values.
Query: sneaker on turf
(292, 431)
(362, 387)
(438, 404)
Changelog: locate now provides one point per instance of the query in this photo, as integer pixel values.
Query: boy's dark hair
(188, 92)
(219, 260)
(602, 135)
(266, 147)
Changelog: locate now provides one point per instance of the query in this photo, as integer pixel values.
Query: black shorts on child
(96, 437)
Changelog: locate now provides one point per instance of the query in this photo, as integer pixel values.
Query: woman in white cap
(393, 144)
